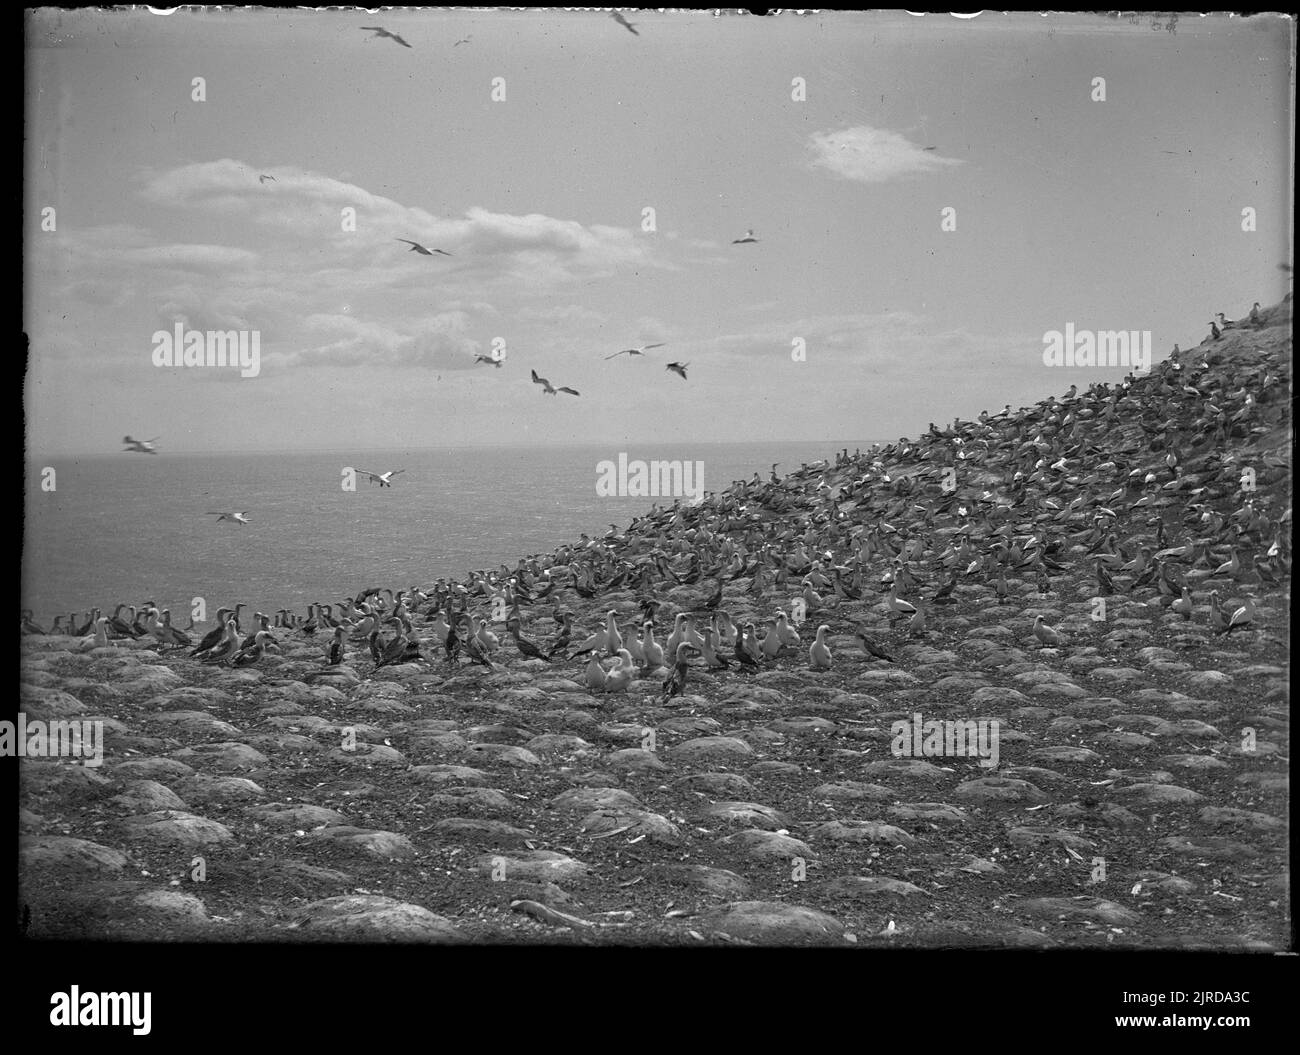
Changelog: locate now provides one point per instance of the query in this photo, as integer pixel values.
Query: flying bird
(416, 247)
(139, 446)
(548, 388)
(463, 40)
(263, 179)
(489, 359)
(618, 17)
(678, 368)
(238, 518)
(749, 237)
(379, 31)
(382, 479)
(635, 351)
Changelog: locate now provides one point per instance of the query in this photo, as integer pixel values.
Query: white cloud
(872, 155)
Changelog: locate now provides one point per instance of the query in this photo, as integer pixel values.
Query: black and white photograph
(672, 479)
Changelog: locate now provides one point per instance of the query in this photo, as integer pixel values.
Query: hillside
(1140, 792)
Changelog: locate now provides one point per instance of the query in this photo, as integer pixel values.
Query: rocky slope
(1140, 796)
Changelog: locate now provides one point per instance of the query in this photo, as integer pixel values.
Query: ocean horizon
(128, 527)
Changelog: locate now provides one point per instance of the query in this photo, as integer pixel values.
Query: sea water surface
(129, 527)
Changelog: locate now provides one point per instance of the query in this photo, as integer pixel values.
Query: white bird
(416, 247)
(635, 351)
(654, 653)
(787, 633)
(1046, 634)
(818, 654)
(139, 446)
(238, 518)
(595, 676)
(486, 638)
(896, 606)
(382, 479)
(749, 237)
(491, 360)
(619, 677)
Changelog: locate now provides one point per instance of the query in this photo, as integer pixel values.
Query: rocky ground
(1141, 797)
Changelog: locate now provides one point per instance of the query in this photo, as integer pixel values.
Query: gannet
(382, 479)
(678, 634)
(139, 446)
(226, 647)
(749, 237)
(416, 247)
(526, 647)
(619, 677)
(594, 676)
(490, 360)
(746, 651)
(263, 179)
(1183, 606)
(379, 31)
(488, 640)
(1046, 634)
(873, 649)
(336, 650)
(1243, 616)
(475, 650)
(818, 654)
(787, 633)
(618, 17)
(711, 641)
(675, 683)
(654, 653)
(635, 351)
(679, 369)
(897, 606)
(771, 643)
(238, 518)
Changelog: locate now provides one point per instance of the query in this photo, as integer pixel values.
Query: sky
(592, 204)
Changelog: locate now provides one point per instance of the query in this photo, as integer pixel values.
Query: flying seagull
(263, 179)
(618, 17)
(238, 518)
(548, 389)
(749, 237)
(139, 446)
(635, 351)
(679, 369)
(416, 247)
(490, 360)
(382, 479)
(379, 31)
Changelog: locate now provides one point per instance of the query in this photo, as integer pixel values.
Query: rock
(773, 923)
(371, 918)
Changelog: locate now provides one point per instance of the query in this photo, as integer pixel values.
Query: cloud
(872, 155)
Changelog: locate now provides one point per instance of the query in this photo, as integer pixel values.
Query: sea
(133, 527)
